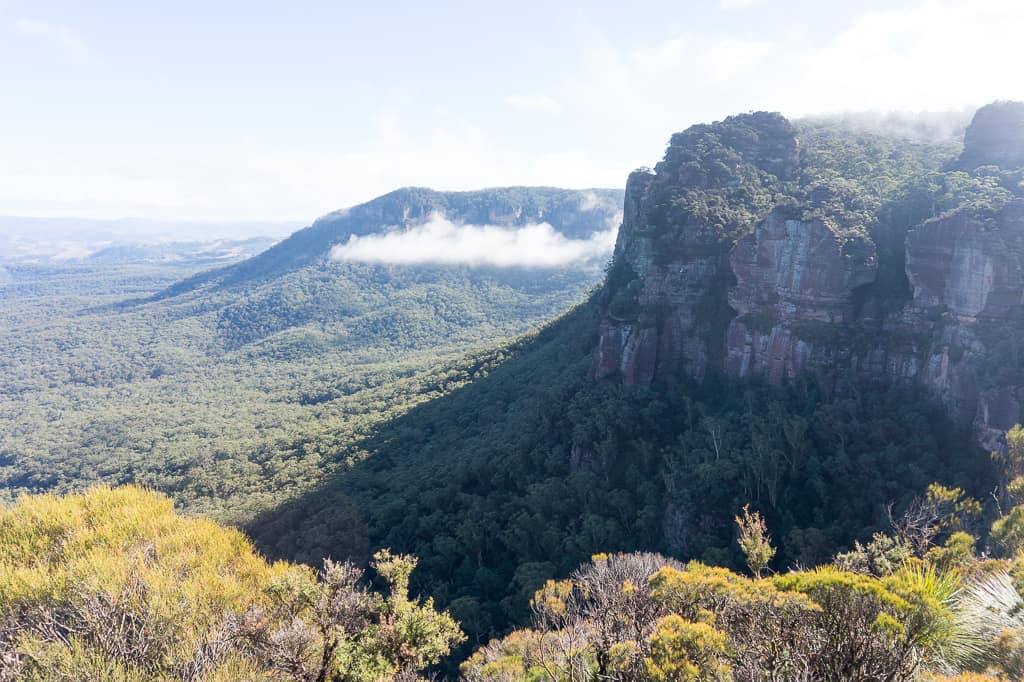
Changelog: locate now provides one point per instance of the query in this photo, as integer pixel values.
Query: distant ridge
(575, 214)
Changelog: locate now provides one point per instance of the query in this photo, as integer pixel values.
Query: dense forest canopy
(236, 394)
(521, 475)
(351, 410)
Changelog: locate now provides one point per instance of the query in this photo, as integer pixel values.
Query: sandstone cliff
(790, 274)
(667, 289)
(729, 260)
(995, 137)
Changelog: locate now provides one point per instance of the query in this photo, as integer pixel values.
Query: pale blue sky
(287, 110)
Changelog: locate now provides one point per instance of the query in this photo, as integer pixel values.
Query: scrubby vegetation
(112, 585)
(916, 604)
(336, 410)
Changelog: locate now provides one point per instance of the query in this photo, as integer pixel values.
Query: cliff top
(995, 137)
(764, 139)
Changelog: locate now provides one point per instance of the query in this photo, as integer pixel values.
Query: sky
(284, 111)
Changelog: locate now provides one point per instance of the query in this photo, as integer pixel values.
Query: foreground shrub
(699, 622)
(113, 585)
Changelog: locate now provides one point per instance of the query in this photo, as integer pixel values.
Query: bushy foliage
(887, 610)
(754, 540)
(707, 623)
(881, 556)
(682, 651)
(113, 585)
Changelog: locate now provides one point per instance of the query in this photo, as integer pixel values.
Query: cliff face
(798, 294)
(666, 334)
(967, 272)
(969, 265)
(666, 296)
(791, 275)
(995, 137)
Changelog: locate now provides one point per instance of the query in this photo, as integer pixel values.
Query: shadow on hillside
(442, 445)
(521, 475)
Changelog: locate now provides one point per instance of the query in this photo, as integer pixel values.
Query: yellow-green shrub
(112, 585)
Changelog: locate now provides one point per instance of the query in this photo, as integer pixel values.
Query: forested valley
(234, 397)
(527, 514)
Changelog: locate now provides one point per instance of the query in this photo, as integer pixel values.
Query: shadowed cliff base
(772, 331)
(533, 467)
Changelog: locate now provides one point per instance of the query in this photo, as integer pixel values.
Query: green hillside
(576, 214)
(525, 472)
(233, 398)
(453, 413)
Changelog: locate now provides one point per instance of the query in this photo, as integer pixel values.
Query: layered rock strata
(787, 298)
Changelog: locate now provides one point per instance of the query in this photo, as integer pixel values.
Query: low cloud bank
(590, 201)
(920, 126)
(440, 241)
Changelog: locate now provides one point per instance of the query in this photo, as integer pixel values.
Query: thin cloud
(56, 35)
(923, 126)
(440, 241)
(900, 58)
(728, 57)
(536, 104)
(590, 201)
(732, 5)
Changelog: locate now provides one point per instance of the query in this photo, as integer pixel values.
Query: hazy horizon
(288, 113)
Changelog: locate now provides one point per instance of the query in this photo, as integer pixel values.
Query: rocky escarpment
(799, 291)
(638, 338)
(967, 272)
(796, 296)
(791, 275)
(666, 293)
(969, 265)
(995, 137)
